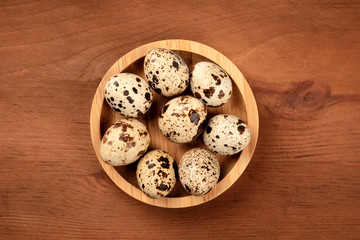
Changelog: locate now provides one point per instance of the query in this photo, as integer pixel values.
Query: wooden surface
(241, 104)
(301, 58)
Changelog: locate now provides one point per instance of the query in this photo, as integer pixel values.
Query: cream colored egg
(211, 84)
(124, 142)
(182, 119)
(166, 72)
(156, 173)
(128, 94)
(199, 171)
(226, 134)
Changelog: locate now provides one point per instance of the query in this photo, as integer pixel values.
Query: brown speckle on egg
(209, 92)
(221, 94)
(194, 116)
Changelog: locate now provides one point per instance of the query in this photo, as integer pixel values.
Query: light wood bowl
(242, 104)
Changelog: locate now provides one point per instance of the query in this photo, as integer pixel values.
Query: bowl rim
(251, 114)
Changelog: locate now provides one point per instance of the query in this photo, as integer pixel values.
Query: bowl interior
(234, 106)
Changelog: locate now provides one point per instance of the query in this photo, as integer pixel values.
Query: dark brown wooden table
(301, 58)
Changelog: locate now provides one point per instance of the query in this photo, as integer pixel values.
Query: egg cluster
(181, 120)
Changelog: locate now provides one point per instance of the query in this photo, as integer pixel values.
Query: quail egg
(128, 94)
(211, 84)
(226, 134)
(166, 72)
(124, 142)
(199, 171)
(182, 119)
(156, 173)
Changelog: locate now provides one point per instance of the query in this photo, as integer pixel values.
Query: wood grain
(301, 59)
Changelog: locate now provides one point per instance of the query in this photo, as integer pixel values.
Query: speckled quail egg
(182, 119)
(211, 84)
(156, 173)
(166, 72)
(199, 171)
(128, 94)
(226, 134)
(124, 142)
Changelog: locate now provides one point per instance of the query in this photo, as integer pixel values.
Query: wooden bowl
(242, 104)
